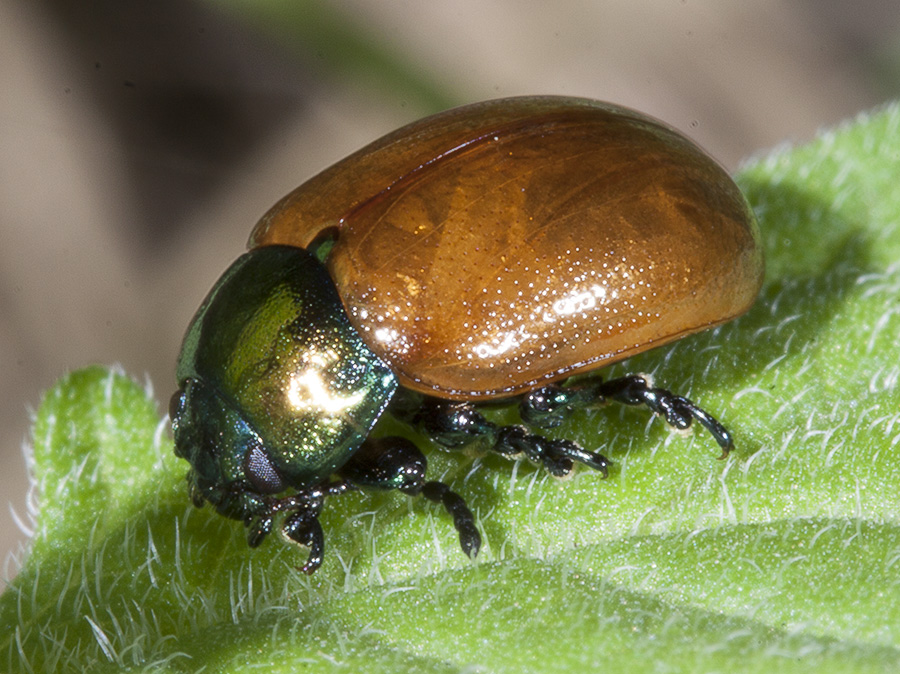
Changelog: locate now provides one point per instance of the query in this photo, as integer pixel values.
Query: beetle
(485, 253)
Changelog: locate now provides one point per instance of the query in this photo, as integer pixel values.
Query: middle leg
(396, 463)
(456, 424)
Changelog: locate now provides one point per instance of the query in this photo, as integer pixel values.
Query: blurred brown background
(141, 140)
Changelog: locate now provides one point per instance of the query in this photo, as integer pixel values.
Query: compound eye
(176, 405)
(176, 410)
(261, 473)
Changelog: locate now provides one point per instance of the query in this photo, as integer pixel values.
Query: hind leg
(549, 405)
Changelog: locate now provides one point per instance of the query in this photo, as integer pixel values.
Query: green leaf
(783, 557)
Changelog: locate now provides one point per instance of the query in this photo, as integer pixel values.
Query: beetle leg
(463, 520)
(678, 412)
(548, 406)
(396, 463)
(302, 522)
(386, 463)
(303, 527)
(455, 424)
(258, 529)
(557, 456)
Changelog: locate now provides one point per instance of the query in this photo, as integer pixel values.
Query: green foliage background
(784, 557)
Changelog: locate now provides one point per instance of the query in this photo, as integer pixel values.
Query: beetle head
(277, 390)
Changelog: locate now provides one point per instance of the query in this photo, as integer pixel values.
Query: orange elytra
(500, 246)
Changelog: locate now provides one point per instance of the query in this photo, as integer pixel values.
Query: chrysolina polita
(488, 252)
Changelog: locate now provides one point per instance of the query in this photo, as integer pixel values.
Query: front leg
(301, 523)
(303, 528)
